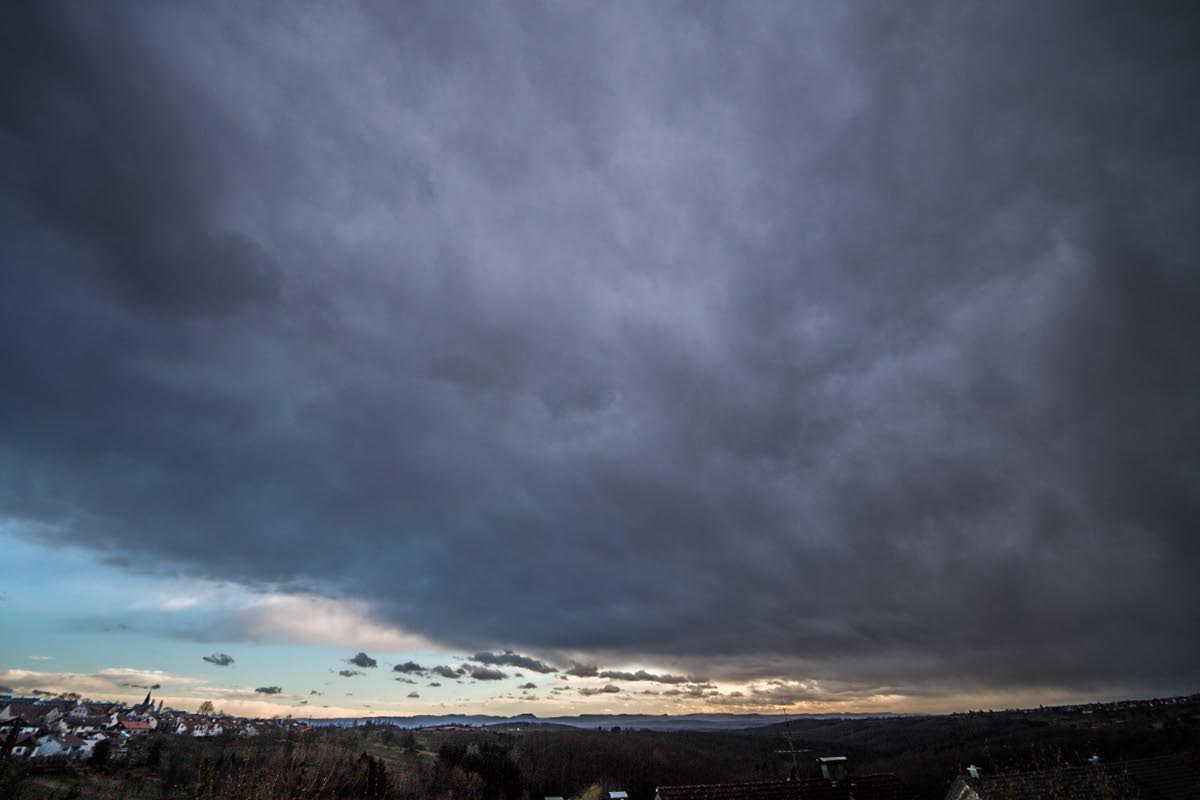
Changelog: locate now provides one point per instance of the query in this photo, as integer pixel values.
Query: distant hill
(653, 722)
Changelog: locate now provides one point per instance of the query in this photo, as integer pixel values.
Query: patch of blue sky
(65, 609)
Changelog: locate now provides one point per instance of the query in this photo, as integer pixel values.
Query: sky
(633, 357)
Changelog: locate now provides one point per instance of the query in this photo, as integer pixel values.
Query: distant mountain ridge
(655, 722)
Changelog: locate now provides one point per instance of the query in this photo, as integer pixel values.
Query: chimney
(834, 768)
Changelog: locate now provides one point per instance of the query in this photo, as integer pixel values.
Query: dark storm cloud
(119, 155)
(847, 341)
(486, 674)
(220, 659)
(362, 660)
(268, 690)
(510, 659)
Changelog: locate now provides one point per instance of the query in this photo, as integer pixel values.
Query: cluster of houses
(73, 729)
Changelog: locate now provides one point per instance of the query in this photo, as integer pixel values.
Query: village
(33, 729)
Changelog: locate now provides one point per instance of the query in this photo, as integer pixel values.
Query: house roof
(1144, 779)
(88, 719)
(30, 711)
(865, 787)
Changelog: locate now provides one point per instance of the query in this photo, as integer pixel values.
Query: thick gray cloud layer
(851, 340)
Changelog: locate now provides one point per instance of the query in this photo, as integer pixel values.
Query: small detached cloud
(588, 691)
(435, 684)
(402, 679)
(487, 674)
(349, 673)
(41, 658)
(362, 660)
(530, 685)
(220, 659)
(409, 668)
(268, 690)
(510, 659)
(314, 691)
(414, 695)
(448, 672)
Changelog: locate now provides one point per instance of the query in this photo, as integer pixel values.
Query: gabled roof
(30, 711)
(88, 719)
(1143, 779)
(865, 787)
(758, 790)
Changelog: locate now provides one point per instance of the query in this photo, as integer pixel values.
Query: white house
(47, 746)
